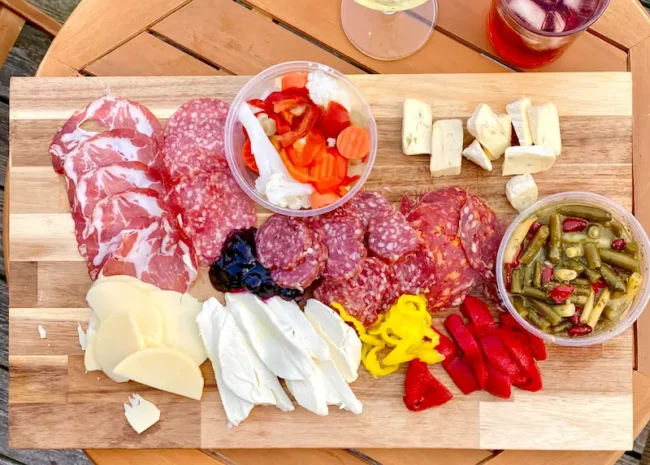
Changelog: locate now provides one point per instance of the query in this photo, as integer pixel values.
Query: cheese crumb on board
(42, 332)
(519, 112)
(140, 413)
(446, 148)
(545, 126)
(528, 160)
(475, 153)
(416, 127)
(521, 192)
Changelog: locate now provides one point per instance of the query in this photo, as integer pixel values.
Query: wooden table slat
(34, 15)
(10, 26)
(146, 55)
(625, 23)
(427, 456)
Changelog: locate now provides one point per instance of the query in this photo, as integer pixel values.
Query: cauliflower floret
(268, 125)
(323, 88)
(283, 191)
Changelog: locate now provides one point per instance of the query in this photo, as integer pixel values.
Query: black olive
(289, 294)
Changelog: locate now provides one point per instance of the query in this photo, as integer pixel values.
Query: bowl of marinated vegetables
(300, 139)
(574, 269)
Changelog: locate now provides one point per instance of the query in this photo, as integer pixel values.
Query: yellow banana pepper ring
(373, 365)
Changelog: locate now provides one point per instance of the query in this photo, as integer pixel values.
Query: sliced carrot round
(296, 80)
(319, 200)
(300, 174)
(353, 143)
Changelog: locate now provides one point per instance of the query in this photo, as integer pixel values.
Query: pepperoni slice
(366, 205)
(342, 234)
(391, 237)
(306, 272)
(195, 160)
(415, 273)
(480, 234)
(283, 242)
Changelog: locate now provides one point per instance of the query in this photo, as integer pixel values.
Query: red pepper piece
(461, 375)
(574, 224)
(472, 330)
(476, 311)
(508, 276)
(547, 274)
(257, 103)
(498, 384)
(334, 119)
(619, 244)
(561, 293)
(445, 346)
(464, 339)
(480, 370)
(533, 229)
(498, 358)
(520, 353)
(282, 126)
(421, 389)
(306, 123)
(598, 286)
(515, 262)
(575, 318)
(287, 99)
(535, 343)
(580, 330)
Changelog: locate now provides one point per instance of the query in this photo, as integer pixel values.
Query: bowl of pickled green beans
(573, 269)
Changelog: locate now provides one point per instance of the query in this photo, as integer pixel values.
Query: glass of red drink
(533, 33)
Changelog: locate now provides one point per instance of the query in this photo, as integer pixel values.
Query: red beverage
(533, 33)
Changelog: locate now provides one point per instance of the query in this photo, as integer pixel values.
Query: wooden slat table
(208, 37)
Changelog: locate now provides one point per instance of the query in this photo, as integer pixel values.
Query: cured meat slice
(211, 206)
(438, 211)
(109, 112)
(112, 218)
(366, 205)
(113, 179)
(361, 296)
(156, 255)
(283, 242)
(415, 273)
(195, 160)
(480, 234)
(197, 123)
(391, 237)
(454, 276)
(343, 236)
(110, 147)
(307, 271)
(454, 195)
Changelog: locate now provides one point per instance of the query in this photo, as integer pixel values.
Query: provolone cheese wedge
(128, 280)
(140, 413)
(151, 342)
(179, 312)
(164, 368)
(111, 297)
(117, 338)
(90, 362)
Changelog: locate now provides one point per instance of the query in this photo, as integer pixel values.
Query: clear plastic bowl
(260, 86)
(619, 213)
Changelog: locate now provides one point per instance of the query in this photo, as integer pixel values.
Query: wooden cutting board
(587, 398)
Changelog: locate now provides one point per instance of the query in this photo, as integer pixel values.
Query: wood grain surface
(53, 403)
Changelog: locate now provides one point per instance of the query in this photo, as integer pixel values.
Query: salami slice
(307, 271)
(342, 234)
(366, 205)
(197, 123)
(454, 195)
(454, 276)
(415, 273)
(438, 211)
(283, 242)
(110, 113)
(211, 206)
(480, 234)
(361, 296)
(195, 160)
(391, 237)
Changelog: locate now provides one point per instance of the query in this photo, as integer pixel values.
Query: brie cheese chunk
(521, 192)
(275, 344)
(416, 127)
(519, 112)
(211, 322)
(446, 148)
(343, 342)
(528, 160)
(140, 413)
(489, 130)
(545, 126)
(288, 313)
(475, 153)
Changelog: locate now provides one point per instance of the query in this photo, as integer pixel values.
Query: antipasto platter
(393, 298)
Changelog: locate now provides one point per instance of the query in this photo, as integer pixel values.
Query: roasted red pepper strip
(561, 293)
(288, 95)
(522, 356)
(282, 126)
(476, 311)
(574, 224)
(334, 119)
(533, 229)
(498, 358)
(421, 389)
(515, 262)
(535, 343)
(498, 384)
(480, 370)
(462, 336)
(446, 346)
(547, 274)
(306, 123)
(461, 375)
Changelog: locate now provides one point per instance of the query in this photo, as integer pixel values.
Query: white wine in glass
(388, 29)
